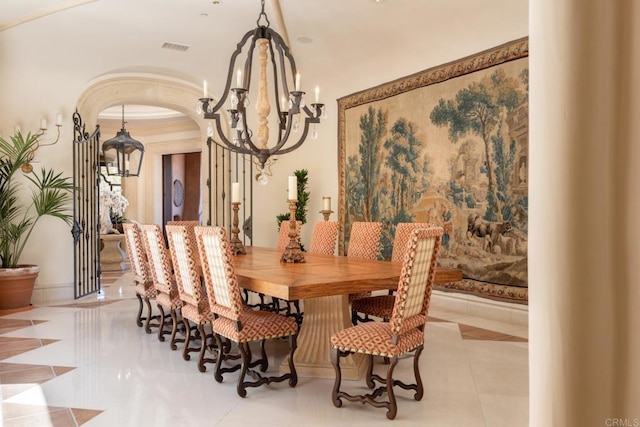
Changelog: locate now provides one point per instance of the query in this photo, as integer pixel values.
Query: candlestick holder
(236, 244)
(292, 252)
(326, 214)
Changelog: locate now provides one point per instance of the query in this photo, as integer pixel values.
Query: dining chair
(195, 305)
(403, 334)
(382, 305)
(190, 225)
(364, 242)
(323, 238)
(145, 291)
(164, 282)
(234, 321)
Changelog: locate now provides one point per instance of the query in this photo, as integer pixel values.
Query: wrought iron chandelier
(123, 154)
(289, 104)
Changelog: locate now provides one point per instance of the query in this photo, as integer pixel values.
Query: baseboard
(517, 314)
(46, 296)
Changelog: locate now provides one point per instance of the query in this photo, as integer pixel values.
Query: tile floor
(87, 363)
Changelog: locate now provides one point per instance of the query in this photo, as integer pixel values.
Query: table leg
(323, 317)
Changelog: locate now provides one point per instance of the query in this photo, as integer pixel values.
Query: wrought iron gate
(228, 167)
(86, 237)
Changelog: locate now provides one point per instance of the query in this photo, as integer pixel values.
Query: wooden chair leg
(393, 406)
(147, 325)
(174, 331)
(139, 317)
(187, 339)
(217, 374)
(416, 371)
(161, 331)
(335, 361)
(293, 345)
(369, 376)
(203, 348)
(246, 360)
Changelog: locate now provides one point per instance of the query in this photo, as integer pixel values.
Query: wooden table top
(260, 270)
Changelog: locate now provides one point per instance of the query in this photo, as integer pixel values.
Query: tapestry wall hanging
(448, 146)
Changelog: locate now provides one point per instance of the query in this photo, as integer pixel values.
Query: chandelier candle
(278, 87)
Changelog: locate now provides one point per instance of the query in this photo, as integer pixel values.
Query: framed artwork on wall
(448, 146)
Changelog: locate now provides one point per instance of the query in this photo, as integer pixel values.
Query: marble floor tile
(87, 363)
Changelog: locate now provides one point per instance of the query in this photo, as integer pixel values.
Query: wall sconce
(28, 167)
(43, 128)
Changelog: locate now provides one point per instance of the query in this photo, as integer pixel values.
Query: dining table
(322, 283)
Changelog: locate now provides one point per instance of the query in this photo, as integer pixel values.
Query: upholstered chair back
(402, 236)
(190, 226)
(136, 252)
(364, 240)
(323, 239)
(185, 268)
(220, 280)
(159, 259)
(416, 279)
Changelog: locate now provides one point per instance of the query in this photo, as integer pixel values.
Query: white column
(584, 235)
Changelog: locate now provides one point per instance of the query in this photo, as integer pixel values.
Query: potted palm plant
(51, 194)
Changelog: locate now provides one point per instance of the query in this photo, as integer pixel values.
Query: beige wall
(36, 80)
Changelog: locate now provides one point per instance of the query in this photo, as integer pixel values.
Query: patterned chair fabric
(145, 291)
(401, 238)
(382, 305)
(190, 225)
(195, 305)
(283, 234)
(164, 282)
(364, 242)
(403, 333)
(323, 239)
(233, 320)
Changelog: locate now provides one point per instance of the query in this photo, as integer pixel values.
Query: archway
(152, 91)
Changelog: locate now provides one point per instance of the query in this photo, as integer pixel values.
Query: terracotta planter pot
(16, 286)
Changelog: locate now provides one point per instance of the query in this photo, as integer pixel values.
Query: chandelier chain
(262, 13)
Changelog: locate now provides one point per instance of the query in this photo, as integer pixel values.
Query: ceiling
(340, 45)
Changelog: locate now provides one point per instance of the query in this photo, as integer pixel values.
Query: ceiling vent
(175, 46)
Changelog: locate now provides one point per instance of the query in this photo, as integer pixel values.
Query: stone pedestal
(111, 252)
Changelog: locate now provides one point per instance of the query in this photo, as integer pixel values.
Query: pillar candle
(43, 124)
(293, 188)
(297, 82)
(59, 119)
(235, 192)
(239, 79)
(326, 203)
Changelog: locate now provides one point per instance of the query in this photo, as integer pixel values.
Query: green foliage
(385, 180)
(477, 109)
(51, 195)
(504, 158)
(302, 176)
(373, 126)
(406, 164)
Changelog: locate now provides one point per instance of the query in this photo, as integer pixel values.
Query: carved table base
(323, 317)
